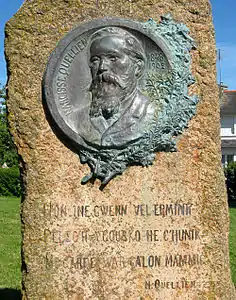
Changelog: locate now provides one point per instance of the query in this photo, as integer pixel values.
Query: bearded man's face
(113, 75)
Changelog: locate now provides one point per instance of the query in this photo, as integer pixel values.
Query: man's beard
(108, 91)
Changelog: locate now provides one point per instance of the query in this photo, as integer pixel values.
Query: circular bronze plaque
(68, 76)
(118, 89)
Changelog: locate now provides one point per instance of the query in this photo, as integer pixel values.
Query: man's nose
(103, 65)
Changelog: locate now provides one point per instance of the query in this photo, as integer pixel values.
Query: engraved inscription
(70, 56)
(55, 210)
(179, 260)
(63, 99)
(163, 210)
(160, 284)
(157, 61)
(121, 236)
(140, 261)
(182, 283)
(179, 235)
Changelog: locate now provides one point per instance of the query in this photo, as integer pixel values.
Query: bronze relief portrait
(119, 112)
(117, 90)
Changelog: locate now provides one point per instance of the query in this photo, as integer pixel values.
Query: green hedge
(10, 182)
(230, 174)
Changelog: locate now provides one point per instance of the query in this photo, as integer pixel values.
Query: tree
(8, 153)
(230, 174)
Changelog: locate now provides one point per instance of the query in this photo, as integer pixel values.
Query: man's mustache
(109, 78)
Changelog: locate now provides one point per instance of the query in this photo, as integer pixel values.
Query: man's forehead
(110, 43)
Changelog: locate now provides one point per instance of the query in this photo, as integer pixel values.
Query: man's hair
(134, 48)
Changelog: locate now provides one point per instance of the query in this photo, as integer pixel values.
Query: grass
(232, 241)
(10, 240)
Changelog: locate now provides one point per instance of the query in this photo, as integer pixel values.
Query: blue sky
(8, 9)
(225, 26)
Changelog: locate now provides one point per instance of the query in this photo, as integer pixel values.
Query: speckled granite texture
(127, 241)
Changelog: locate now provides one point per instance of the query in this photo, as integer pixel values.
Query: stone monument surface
(155, 232)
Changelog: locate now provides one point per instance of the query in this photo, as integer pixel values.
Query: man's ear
(139, 68)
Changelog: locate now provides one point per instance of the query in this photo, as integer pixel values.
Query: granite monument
(160, 229)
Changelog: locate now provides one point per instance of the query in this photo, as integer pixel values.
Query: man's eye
(94, 59)
(113, 58)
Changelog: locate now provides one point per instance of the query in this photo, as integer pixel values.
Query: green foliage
(3, 97)
(230, 174)
(232, 243)
(8, 152)
(10, 182)
(2, 92)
